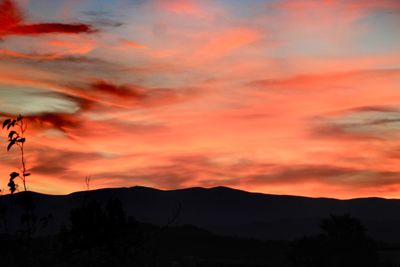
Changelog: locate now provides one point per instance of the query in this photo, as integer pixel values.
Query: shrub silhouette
(16, 128)
(100, 235)
(343, 243)
(16, 136)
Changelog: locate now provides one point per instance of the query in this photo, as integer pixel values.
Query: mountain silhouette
(220, 210)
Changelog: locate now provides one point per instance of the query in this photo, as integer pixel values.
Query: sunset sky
(296, 97)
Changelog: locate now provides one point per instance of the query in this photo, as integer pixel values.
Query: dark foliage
(99, 233)
(17, 127)
(102, 236)
(343, 243)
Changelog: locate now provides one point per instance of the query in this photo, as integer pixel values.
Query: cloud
(301, 173)
(102, 19)
(226, 42)
(45, 28)
(117, 90)
(188, 7)
(101, 94)
(332, 16)
(169, 173)
(315, 80)
(207, 93)
(330, 175)
(366, 122)
(342, 132)
(60, 121)
(200, 170)
(324, 33)
(12, 23)
(55, 162)
(55, 57)
(355, 8)
(10, 16)
(131, 44)
(373, 109)
(6, 53)
(67, 108)
(162, 179)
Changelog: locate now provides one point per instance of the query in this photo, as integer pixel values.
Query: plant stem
(22, 130)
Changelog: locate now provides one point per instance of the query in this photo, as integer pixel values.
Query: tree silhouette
(105, 234)
(343, 243)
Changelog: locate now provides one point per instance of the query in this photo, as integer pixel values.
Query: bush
(343, 243)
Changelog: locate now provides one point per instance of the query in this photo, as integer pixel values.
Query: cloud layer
(285, 97)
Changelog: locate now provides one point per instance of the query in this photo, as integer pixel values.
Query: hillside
(222, 210)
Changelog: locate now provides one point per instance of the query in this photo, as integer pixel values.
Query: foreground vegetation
(103, 235)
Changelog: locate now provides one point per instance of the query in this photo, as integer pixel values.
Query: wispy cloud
(288, 97)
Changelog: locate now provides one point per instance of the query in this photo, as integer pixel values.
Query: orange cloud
(56, 49)
(132, 44)
(73, 46)
(244, 98)
(189, 7)
(226, 42)
(15, 54)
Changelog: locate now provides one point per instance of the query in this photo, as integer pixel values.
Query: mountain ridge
(206, 188)
(224, 210)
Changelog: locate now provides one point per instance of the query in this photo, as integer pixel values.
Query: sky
(297, 97)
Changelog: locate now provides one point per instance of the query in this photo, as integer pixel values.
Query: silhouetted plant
(16, 136)
(343, 227)
(87, 183)
(343, 243)
(104, 234)
(16, 128)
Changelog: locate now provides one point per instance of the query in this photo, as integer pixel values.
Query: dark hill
(222, 210)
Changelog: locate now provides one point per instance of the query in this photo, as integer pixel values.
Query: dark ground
(96, 229)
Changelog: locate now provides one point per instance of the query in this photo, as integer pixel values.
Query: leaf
(12, 186)
(6, 122)
(12, 123)
(12, 142)
(27, 174)
(11, 134)
(14, 175)
(21, 140)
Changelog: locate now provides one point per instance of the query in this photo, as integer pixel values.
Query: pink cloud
(189, 7)
(131, 44)
(245, 100)
(226, 42)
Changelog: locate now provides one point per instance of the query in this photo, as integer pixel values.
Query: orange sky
(295, 97)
